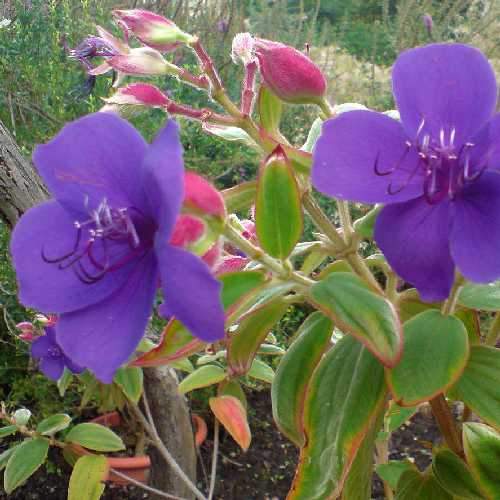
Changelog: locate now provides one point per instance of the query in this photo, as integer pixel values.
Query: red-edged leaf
(233, 416)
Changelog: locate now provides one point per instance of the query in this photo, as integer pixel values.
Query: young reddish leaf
(176, 343)
(478, 386)
(358, 311)
(294, 373)
(278, 210)
(345, 396)
(250, 334)
(435, 353)
(232, 388)
(233, 416)
(482, 450)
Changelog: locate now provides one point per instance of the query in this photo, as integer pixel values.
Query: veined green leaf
(95, 437)
(87, 476)
(130, 380)
(53, 424)
(202, 377)
(415, 486)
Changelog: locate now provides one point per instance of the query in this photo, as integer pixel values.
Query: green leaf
(240, 197)
(24, 461)
(391, 471)
(95, 437)
(294, 373)
(344, 398)
(435, 352)
(87, 476)
(482, 449)
(312, 137)
(130, 380)
(8, 430)
(415, 486)
(4, 456)
(360, 312)
(454, 476)
(261, 371)
(278, 209)
(202, 377)
(358, 485)
(232, 388)
(483, 297)
(53, 424)
(271, 350)
(479, 387)
(64, 381)
(398, 415)
(250, 334)
(366, 224)
(235, 286)
(270, 110)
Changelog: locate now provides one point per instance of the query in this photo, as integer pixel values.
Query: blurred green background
(354, 41)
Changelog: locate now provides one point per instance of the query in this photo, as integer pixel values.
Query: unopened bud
(200, 195)
(139, 94)
(152, 29)
(428, 23)
(21, 416)
(291, 75)
(27, 331)
(143, 61)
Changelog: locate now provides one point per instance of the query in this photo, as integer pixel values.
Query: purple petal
(43, 285)
(164, 177)
(72, 366)
(414, 238)
(52, 367)
(475, 233)
(486, 149)
(41, 346)
(103, 336)
(191, 293)
(350, 149)
(447, 85)
(96, 157)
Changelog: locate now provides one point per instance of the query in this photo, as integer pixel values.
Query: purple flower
(437, 171)
(96, 253)
(52, 359)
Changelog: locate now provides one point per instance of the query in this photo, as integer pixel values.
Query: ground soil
(264, 472)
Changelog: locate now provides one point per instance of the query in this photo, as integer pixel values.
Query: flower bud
(142, 61)
(21, 416)
(152, 29)
(428, 23)
(202, 196)
(242, 48)
(142, 94)
(291, 75)
(27, 331)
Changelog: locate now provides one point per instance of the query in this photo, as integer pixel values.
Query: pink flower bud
(142, 61)
(201, 195)
(243, 48)
(291, 75)
(142, 94)
(213, 256)
(428, 23)
(188, 229)
(152, 29)
(231, 263)
(27, 331)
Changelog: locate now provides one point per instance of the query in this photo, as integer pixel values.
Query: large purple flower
(96, 253)
(52, 360)
(437, 171)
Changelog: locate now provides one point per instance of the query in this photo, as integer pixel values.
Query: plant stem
(345, 220)
(493, 332)
(258, 255)
(213, 472)
(148, 424)
(451, 302)
(145, 486)
(446, 422)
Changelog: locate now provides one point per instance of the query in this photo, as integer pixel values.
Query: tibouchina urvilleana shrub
(130, 231)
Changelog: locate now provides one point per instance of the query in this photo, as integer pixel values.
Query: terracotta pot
(137, 467)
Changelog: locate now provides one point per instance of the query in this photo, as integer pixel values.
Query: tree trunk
(20, 189)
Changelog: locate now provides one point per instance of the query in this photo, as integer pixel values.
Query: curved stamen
(382, 173)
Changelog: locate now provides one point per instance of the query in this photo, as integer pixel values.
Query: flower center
(446, 167)
(106, 241)
(54, 352)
